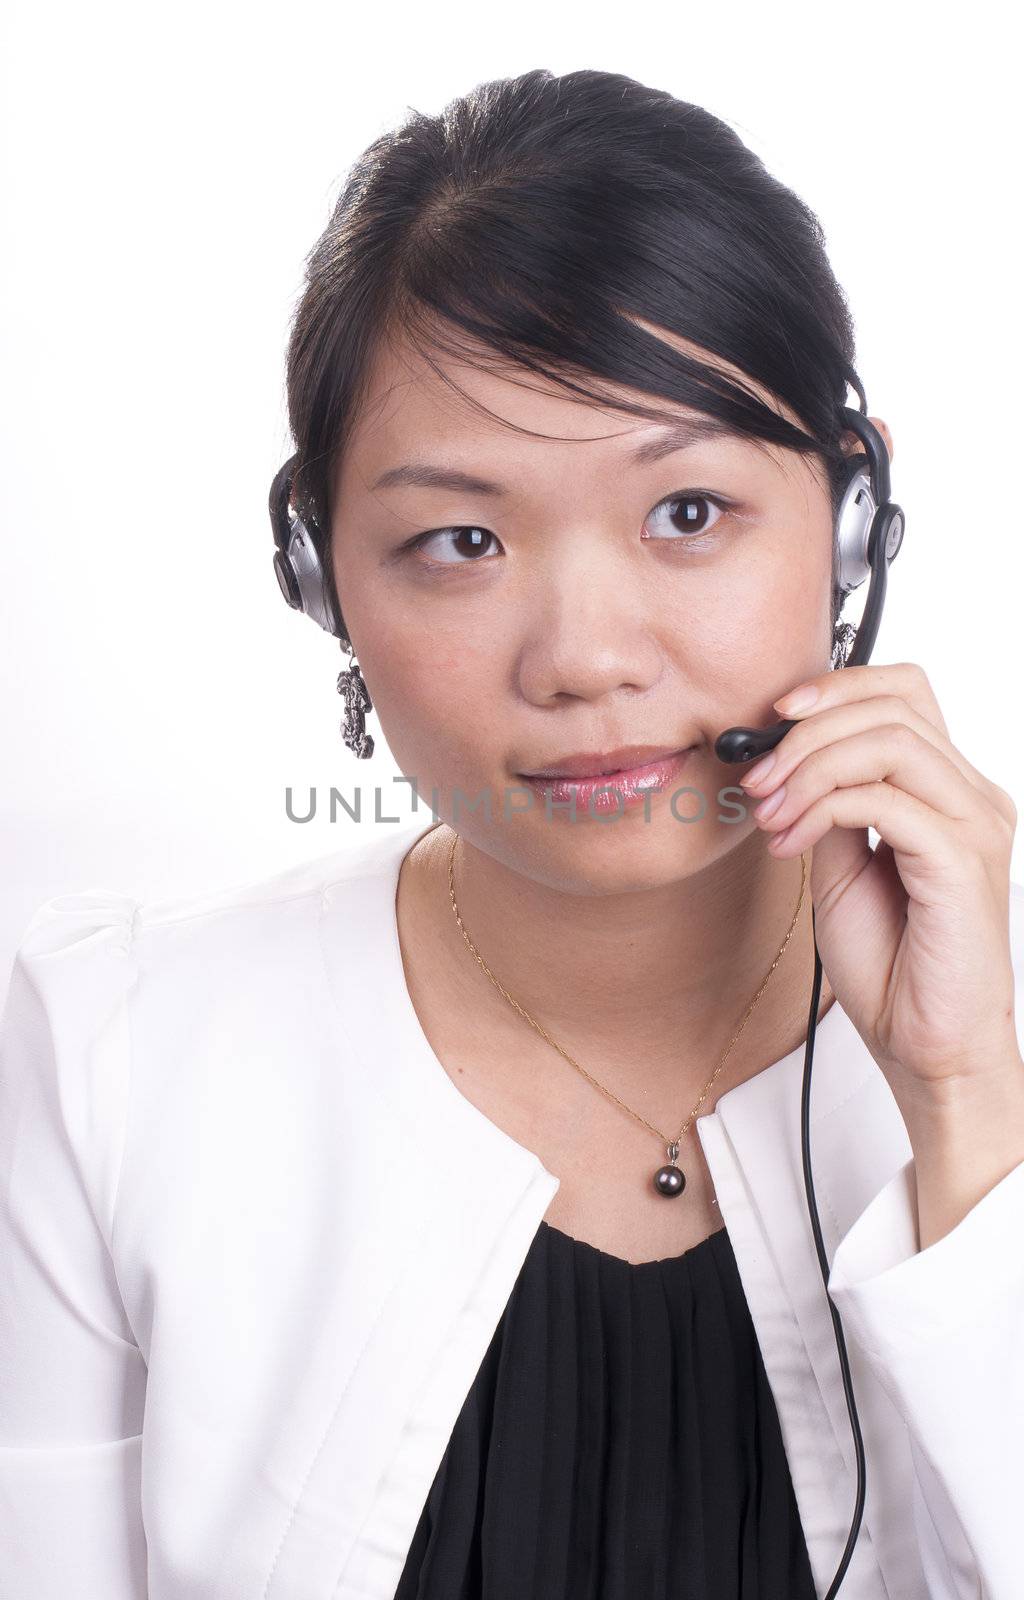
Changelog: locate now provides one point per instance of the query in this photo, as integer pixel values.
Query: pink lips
(613, 791)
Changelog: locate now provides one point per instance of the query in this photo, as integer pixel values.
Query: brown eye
(467, 541)
(686, 514)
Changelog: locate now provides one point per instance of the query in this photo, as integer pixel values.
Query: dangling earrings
(352, 686)
(844, 635)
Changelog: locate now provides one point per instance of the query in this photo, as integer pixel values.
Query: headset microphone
(869, 532)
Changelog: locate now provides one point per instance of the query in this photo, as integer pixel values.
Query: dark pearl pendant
(670, 1180)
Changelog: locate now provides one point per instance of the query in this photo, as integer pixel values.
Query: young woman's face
(586, 601)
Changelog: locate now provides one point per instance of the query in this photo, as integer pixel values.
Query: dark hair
(537, 216)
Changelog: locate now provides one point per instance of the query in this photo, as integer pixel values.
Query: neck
(645, 988)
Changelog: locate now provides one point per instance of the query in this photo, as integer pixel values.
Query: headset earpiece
(854, 517)
(297, 562)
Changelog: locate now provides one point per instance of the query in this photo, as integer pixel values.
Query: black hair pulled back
(531, 222)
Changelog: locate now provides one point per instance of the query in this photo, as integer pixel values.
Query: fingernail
(768, 807)
(760, 770)
(797, 699)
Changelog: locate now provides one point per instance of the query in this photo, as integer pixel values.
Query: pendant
(670, 1180)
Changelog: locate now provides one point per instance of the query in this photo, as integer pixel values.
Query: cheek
(424, 682)
(435, 699)
(435, 685)
(763, 631)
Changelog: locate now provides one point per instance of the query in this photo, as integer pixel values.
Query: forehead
(419, 395)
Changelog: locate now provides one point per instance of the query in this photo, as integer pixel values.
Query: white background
(166, 170)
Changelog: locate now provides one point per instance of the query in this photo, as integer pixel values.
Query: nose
(589, 635)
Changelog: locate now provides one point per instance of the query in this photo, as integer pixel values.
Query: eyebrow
(678, 436)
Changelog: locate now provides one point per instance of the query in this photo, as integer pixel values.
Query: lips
(602, 764)
(625, 787)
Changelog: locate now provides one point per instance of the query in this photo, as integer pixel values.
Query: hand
(913, 935)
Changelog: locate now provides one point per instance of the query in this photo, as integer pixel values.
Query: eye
(687, 514)
(468, 540)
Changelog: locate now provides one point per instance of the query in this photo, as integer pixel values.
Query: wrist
(966, 1137)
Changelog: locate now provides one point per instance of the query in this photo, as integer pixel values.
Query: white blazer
(254, 1244)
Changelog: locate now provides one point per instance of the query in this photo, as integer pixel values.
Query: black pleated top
(619, 1442)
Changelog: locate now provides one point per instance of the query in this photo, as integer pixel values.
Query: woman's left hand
(913, 935)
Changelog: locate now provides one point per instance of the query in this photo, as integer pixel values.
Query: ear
(850, 444)
(883, 428)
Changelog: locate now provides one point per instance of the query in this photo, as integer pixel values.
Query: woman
(338, 1257)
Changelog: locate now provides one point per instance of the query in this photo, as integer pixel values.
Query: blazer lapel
(440, 1207)
(858, 1143)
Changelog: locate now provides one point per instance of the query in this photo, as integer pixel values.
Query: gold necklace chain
(668, 1180)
